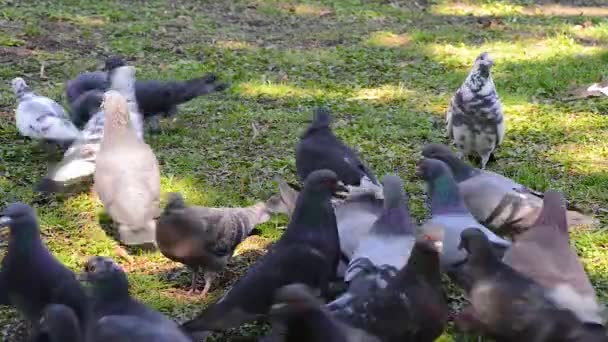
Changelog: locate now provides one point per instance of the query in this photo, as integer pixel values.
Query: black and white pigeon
(391, 238)
(408, 306)
(113, 306)
(308, 253)
(449, 211)
(496, 201)
(205, 238)
(509, 306)
(78, 163)
(31, 277)
(475, 117)
(127, 175)
(154, 97)
(304, 319)
(319, 148)
(41, 118)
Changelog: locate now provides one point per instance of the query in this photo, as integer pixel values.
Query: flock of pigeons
(352, 264)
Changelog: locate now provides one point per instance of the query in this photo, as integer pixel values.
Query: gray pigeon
(496, 201)
(41, 118)
(112, 304)
(127, 175)
(474, 117)
(205, 238)
(409, 306)
(78, 163)
(448, 211)
(305, 319)
(308, 253)
(319, 148)
(511, 307)
(543, 253)
(392, 236)
(31, 277)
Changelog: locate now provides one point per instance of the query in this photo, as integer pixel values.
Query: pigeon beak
(5, 221)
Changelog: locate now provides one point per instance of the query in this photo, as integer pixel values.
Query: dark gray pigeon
(509, 306)
(205, 238)
(474, 117)
(544, 254)
(319, 149)
(448, 211)
(110, 298)
(392, 236)
(305, 319)
(153, 97)
(410, 306)
(31, 277)
(308, 253)
(496, 201)
(127, 175)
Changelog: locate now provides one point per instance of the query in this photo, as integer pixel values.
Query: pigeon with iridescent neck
(41, 118)
(474, 117)
(498, 202)
(449, 211)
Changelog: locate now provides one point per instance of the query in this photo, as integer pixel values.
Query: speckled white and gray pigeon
(391, 238)
(78, 162)
(127, 175)
(496, 201)
(475, 117)
(407, 306)
(205, 238)
(41, 118)
(449, 211)
(544, 254)
(308, 253)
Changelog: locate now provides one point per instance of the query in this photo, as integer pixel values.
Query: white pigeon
(41, 118)
(475, 116)
(127, 175)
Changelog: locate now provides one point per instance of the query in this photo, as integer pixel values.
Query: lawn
(387, 69)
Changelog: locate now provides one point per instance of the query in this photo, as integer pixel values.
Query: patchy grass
(387, 70)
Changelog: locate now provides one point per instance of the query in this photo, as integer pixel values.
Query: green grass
(386, 71)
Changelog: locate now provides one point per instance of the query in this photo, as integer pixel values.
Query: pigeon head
(431, 169)
(175, 200)
(18, 216)
(294, 298)
(430, 235)
(106, 276)
(483, 65)
(112, 63)
(394, 195)
(476, 243)
(461, 170)
(285, 201)
(321, 119)
(116, 108)
(19, 86)
(323, 181)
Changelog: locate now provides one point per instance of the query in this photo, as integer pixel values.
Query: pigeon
(111, 301)
(85, 107)
(307, 253)
(61, 324)
(31, 277)
(153, 97)
(474, 117)
(448, 210)
(205, 238)
(496, 201)
(296, 307)
(409, 306)
(509, 306)
(543, 253)
(319, 149)
(41, 118)
(391, 237)
(127, 175)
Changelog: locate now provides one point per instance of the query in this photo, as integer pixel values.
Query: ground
(386, 68)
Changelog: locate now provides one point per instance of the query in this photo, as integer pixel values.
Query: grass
(387, 69)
